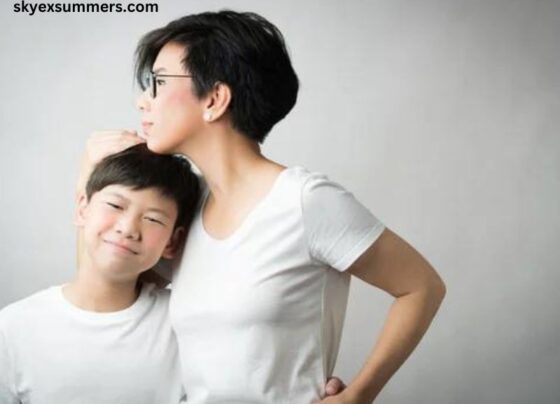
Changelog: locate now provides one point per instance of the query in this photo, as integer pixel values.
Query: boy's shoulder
(48, 302)
(30, 306)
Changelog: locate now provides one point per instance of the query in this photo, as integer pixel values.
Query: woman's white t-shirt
(259, 315)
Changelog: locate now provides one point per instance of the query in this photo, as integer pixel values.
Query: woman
(258, 301)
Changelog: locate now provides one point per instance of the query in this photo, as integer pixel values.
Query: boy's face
(127, 231)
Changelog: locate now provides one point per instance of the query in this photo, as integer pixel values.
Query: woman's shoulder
(302, 176)
(308, 181)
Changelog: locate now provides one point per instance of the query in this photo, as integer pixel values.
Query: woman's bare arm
(396, 267)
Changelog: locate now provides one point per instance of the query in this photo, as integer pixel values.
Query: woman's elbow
(436, 288)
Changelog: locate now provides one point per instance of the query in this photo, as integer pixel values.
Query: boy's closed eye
(156, 221)
(114, 205)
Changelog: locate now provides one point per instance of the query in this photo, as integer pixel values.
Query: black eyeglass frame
(152, 77)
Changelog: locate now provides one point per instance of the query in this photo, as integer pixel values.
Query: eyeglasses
(150, 81)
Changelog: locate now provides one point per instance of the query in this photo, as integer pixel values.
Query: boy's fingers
(101, 133)
(112, 136)
(102, 137)
(101, 144)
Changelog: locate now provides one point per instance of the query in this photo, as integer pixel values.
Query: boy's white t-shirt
(53, 352)
(259, 315)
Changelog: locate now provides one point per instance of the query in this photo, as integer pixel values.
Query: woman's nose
(143, 101)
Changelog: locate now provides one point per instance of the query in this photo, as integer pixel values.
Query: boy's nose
(129, 228)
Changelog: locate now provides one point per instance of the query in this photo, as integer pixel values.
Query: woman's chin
(158, 147)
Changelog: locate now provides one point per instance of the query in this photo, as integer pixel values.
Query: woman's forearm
(408, 319)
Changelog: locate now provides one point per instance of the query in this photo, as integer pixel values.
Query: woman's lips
(146, 126)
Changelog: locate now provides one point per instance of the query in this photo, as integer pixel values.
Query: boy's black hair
(139, 168)
(242, 50)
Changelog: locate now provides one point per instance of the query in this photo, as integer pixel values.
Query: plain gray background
(441, 116)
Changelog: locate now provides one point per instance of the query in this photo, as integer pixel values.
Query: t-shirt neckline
(128, 312)
(245, 223)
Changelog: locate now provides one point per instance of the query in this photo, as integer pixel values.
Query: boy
(105, 337)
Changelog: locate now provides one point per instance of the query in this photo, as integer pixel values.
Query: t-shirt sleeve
(7, 392)
(338, 227)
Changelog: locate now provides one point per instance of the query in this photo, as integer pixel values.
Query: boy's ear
(175, 243)
(79, 217)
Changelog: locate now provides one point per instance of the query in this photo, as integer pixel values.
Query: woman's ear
(79, 216)
(175, 243)
(218, 102)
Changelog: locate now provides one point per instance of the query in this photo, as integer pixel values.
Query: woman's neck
(229, 162)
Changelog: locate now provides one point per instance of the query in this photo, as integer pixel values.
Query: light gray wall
(441, 116)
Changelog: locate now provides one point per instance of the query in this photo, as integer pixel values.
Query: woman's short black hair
(139, 168)
(242, 50)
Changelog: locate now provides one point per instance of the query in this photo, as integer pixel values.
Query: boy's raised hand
(101, 144)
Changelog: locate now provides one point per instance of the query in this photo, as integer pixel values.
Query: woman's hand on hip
(342, 397)
(336, 393)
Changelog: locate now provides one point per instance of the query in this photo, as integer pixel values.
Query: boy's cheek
(104, 220)
(155, 243)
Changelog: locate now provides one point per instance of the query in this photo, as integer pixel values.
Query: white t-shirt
(52, 352)
(259, 315)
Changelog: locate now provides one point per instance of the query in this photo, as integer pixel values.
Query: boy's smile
(122, 247)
